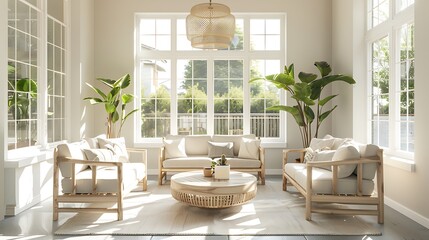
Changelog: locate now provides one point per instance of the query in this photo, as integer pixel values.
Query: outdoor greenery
(22, 102)
(115, 102)
(228, 97)
(307, 93)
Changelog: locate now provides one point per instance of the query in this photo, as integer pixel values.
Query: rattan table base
(206, 192)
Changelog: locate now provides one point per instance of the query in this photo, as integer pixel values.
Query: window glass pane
(156, 97)
(378, 11)
(265, 34)
(155, 34)
(404, 4)
(406, 90)
(228, 91)
(22, 75)
(380, 91)
(192, 95)
(264, 123)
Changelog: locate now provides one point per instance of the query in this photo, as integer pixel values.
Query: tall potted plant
(309, 105)
(115, 102)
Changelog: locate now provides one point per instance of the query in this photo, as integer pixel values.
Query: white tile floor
(36, 223)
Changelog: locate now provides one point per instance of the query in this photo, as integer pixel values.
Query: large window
(36, 67)
(391, 75)
(187, 91)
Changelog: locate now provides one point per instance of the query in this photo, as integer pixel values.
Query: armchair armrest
(143, 153)
(286, 153)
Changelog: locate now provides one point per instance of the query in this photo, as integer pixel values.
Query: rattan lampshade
(210, 26)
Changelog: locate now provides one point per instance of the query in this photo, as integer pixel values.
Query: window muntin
(23, 67)
(199, 103)
(156, 34)
(155, 97)
(265, 34)
(36, 62)
(391, 76)
(406, 89)
(378, 12)
(192, 97)
(228, 97)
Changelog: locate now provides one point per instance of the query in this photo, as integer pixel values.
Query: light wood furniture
(94, 197)
(207, 192)
(376, 199)
(197, 157)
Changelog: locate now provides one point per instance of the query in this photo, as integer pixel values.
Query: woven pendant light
(210, 26)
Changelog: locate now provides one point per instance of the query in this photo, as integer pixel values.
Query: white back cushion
(74, 151)
(174, 148)
(236, 139)
(197, 145)
(117, 145)
(249, 148)
(346, 151)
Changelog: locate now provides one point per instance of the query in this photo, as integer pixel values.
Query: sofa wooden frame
(357, 199)
(259, 171)
(94, 197)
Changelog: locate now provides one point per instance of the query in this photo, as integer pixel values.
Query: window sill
(400, 163)
(23, 160)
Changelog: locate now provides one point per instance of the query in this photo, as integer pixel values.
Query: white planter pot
(222, 172)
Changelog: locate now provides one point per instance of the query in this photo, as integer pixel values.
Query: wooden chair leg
(145, 183)
(284, 183)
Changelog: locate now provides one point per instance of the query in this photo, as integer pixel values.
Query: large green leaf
(124, 81)
(302, 93)
(97, 91)
(110, 107)
(127, 98)
(294, 111)
(324, 115)
(115, 117)
(324, 68)
(326, 99)
(307, 77)
(107, 82)
(309, 114)
(318, 85)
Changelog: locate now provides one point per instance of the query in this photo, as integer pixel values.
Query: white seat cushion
(106, 179)
(322, 180)
(188, 162)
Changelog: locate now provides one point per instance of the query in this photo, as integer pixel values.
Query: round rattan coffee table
(207, 192)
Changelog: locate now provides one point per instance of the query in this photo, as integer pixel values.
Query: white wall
(308, 40)
(342, 63)
(82, 68)
(3, 100)
(404, 190)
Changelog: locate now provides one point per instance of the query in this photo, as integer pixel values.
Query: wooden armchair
(303, 177)
(87, 181)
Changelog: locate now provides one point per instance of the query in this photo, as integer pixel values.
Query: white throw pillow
(100, 155)
(347, 151)
(309, 154)
(216, 149)
(323, 155)
(321, 143)
(249, 148)
(117, 145)
(174, 148)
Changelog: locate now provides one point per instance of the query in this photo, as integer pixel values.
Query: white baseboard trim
(267, 172)
(12, 210)
(407, 212)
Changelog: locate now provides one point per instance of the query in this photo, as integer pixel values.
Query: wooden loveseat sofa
(95, 171)
(194, 152)
(335, 171)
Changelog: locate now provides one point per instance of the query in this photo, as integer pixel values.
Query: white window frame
(42, 99)
(390, 28)
(221, 55)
